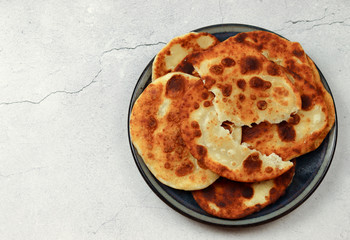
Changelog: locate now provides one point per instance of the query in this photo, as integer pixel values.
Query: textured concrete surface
(68, 69)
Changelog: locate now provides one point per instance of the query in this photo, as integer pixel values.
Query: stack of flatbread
(226, 119)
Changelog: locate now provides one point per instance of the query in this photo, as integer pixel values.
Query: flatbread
(248, 87)
(290, 56)
(305, 130)
(232, 200)
(216, 148)
(173, 56)
(155, 133)
(329, 103)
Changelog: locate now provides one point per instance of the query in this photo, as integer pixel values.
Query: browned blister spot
(184, 169)
(207, 103)
(205, 95)
(179, 140)
(268, 169)
(247, 191)
(273, 70)
(194, 124)
(154, 92)
(167, 165)
(256, 131)
(179, 150)
(278, 46)
(298, 53)
(201, 150)
(216, 69)
(228, 62)
(281, 91)
(241, 84)
(263, 94)
(252, 163)
(152, 123)
(197, 133)
(258, 83)
(185, 67)
(240, 37)
(241, 97)
(195, 55)
(286, 131)
(149, 146)
(262, 105)
(294, 119)
(169, 144)
(196, 105)
(250, 64)
(175, 86)
(306, 102)
(259, 47)
(226, 90)
(228, 196)
(252, 97)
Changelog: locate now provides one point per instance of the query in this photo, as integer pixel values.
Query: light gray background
(67, 71)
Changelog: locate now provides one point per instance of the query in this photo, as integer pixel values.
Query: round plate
(310, 168)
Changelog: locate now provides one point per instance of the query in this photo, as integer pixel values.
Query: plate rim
(233, 223)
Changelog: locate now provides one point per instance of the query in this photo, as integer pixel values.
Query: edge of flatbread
(155, 133)
(171, 57)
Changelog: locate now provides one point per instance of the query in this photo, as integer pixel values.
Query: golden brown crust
(185, 152)
(329, 103)
(289, 55)
(280, 139)
(190, 130)
(248, 87)
(291, 139)
(184, 45)
(233, 200)
(155, 132)
(215, 148)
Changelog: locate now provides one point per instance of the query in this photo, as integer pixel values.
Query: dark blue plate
(310, 168)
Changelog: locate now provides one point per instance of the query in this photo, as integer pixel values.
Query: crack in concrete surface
(306, 21)
(113, 219)
(87, 85)
(55, 92)
(132, 48)
(342, 22)
(311, 20)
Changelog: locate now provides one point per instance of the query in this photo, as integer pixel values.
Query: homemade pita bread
(216, 148)
(173, 56)
(248, 88)
(232, 200)
(305, 130)
(258, 103)
(155, 133)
